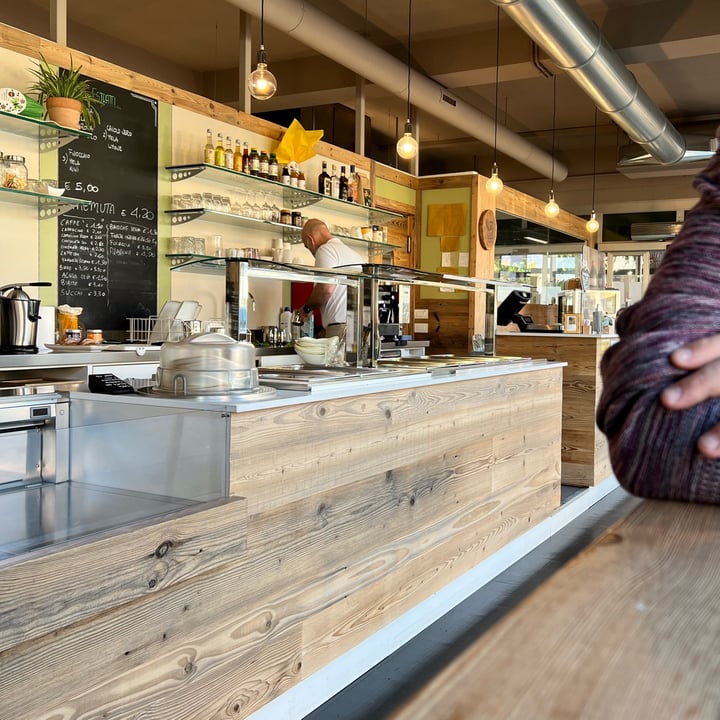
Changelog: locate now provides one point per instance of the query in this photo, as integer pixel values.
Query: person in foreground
(662, 419)
(329, 252)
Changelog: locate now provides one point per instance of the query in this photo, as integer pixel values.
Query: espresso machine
(19, 315)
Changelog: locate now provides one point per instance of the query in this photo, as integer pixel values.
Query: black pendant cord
(594, 158)
(552, 172)
(497, 79)
(408, 57)
(262, 24)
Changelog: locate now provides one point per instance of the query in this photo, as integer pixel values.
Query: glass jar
(14, 172)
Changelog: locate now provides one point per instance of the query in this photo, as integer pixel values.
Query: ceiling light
(407, 145)
(592, 225)
(261, 82)
(536, 240)
(552, 208)
(494, 184)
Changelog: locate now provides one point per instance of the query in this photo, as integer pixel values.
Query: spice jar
(285, 217)
(296, 216)
(96, 336)
(14, 172)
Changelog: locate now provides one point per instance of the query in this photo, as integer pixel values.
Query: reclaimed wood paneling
(585, 457)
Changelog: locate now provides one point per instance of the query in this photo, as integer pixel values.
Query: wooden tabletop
(628, 629)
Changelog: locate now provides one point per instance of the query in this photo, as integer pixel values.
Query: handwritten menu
(107, 250)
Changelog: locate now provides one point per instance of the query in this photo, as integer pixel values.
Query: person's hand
(702, 356)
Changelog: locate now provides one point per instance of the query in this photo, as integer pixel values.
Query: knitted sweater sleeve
(653, 450)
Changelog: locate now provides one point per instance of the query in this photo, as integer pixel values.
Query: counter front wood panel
(585, 457)
(368, 505)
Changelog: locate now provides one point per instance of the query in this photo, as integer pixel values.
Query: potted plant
(66, 95)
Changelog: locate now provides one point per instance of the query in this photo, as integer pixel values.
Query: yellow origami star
(297, 144)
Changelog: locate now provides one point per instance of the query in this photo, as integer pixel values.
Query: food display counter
(342, 508)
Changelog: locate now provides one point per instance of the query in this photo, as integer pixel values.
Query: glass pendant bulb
(592, 225)
(552, 208)
(261, 82)
(407, 146)
(494, 184)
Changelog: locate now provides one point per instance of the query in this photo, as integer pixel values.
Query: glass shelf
(50, 135)
(292, 197)
(48, 206)
(291, 233)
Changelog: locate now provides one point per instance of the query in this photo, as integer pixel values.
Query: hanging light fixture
(261, 82)
(592, 225)
(552, 208)
(407, 145)
(494, 184)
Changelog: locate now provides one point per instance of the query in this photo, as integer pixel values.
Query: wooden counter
(345, 514)
(628, 629)
(585, 459)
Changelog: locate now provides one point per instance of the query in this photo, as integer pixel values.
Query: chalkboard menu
(107, 250)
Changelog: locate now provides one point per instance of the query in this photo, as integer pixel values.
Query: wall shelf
(48, 206)
(49, 135)
(291, 197)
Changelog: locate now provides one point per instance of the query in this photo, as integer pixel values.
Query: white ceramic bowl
(56, 191)
(309, 358)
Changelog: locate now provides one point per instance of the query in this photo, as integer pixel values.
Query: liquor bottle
(324, 181)
(229, 156)
(334, 183)
(237, 156)
(273, 167)
(264, 165)
(246, 159)
(219, 152)
(254, 162)
(209, 158)
(353, 185)
(343, 194)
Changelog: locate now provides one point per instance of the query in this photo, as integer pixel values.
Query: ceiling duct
(575, 44)
(635, 162)
(302, 21)
(660, 231)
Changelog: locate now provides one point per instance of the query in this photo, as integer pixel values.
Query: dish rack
(152, 330)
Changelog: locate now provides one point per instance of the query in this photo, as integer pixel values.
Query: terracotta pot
(64, 111)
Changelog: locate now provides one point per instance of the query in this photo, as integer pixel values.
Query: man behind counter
(329, 252)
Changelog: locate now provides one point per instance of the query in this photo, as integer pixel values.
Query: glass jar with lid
(14, 173)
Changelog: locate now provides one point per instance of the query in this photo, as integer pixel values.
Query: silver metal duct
(316, 30)
(576, 45)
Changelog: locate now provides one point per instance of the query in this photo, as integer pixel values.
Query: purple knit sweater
(653, 450)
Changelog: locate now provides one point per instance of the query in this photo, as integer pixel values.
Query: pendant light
(592, 225)
(552, 208)
(261, 82)
(407, 145)
(494, 184)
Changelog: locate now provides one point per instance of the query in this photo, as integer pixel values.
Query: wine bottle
(324, 181)
(334, 183)
(353, 185)
(343, 190)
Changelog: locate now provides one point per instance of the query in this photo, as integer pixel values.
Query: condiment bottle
(273, 167)
(301, 179)
(237, 157)
(246, 159)
(286, 175)
(264, 165)
(229, 155)
(209, 157)
(254, 162)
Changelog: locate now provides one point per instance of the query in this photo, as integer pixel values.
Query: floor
(376, 693)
